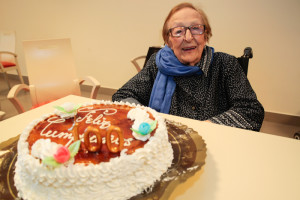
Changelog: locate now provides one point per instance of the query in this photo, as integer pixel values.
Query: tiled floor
(269, 127)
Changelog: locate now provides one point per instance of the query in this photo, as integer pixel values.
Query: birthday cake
(98, 150)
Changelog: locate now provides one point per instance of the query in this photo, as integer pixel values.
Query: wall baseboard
(282, 118)
(16, 78)
(102, 90)
(269, 116)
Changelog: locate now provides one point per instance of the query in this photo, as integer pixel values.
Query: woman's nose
(188, 35)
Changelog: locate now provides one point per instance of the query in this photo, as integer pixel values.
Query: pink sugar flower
(62, 155)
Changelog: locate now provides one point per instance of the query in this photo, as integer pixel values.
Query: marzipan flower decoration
(145, 128)
(67, 110)
(63, 155)
(143, 125)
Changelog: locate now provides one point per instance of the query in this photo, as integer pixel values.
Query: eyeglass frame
(185, 28)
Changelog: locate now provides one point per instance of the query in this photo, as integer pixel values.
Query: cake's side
(120, 178)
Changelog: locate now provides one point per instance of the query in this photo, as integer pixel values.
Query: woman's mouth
(188, 48)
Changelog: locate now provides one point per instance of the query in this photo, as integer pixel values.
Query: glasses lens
(178, 31)
(197, 29)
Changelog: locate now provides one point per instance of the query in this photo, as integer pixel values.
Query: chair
(243, 60)
(8, 57)
(1, 115)
(151, 51)
(51, 73)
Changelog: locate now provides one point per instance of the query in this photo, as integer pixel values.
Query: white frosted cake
(99, 150)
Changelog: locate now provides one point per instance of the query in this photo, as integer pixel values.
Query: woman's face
(188, 49)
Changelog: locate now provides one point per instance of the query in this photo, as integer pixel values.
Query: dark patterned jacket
(222, 94)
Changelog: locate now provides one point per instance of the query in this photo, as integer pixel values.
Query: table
(240, 164)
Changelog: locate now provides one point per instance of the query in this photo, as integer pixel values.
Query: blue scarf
(164, 85)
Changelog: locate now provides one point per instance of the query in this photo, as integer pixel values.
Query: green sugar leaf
(153, 125)
(50, 161)
(74, 148)
(60, 108)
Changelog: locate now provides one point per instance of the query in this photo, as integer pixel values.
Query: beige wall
(106, 35)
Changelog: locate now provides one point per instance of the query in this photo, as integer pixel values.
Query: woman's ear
(205, 37)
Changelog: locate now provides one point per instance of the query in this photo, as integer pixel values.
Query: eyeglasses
(181, 30)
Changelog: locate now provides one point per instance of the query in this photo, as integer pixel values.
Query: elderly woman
(187, 78)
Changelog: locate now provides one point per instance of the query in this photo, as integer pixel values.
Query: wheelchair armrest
(248, 53)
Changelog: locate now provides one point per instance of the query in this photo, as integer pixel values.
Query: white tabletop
(240, 164)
